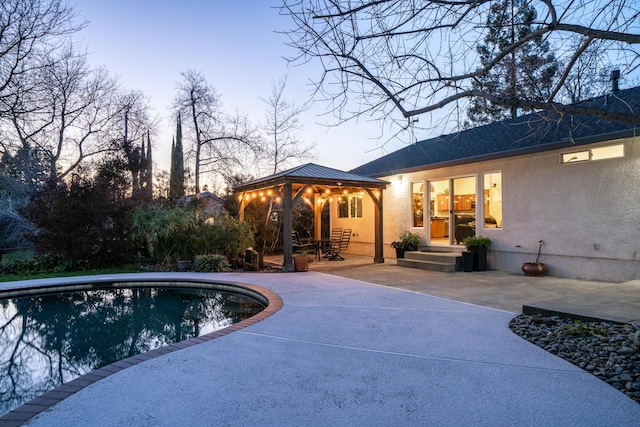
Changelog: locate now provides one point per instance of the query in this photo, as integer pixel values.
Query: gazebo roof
(311, 173)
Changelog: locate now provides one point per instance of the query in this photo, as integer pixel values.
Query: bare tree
(282, 124)
(65, 111)
(29, 29)
(588, 76)
(221, 143)
(418, 57)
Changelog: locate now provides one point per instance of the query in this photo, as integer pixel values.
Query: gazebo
(315, 185)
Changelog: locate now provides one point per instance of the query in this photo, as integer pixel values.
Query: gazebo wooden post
(287, 228)
(317, 221)
(378, 245)
(318, 205)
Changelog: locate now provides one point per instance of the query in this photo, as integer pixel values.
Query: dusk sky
(235, 44)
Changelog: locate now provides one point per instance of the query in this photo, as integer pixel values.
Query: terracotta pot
(301, 263)
(536, 269)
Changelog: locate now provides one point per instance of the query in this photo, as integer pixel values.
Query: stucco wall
(587, 214)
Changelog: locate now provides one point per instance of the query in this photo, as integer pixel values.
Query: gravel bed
(604, 349)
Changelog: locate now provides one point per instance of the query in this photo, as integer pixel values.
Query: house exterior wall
(587, 214)
(362, 231)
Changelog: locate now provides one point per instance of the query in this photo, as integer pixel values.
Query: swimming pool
(53, 335)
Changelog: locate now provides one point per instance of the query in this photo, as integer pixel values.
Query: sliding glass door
(464, 209)
(452, 204)
(439, 204)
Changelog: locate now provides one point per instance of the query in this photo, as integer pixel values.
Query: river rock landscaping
(608, 350)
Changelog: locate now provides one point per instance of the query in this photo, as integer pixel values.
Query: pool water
(48, 340)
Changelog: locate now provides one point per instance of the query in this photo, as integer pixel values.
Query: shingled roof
(530, 133)
(311, 173)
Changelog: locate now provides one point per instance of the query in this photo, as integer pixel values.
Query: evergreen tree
(526, 72)
(148, 169)
(176, 180)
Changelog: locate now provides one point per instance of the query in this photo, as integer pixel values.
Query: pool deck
(347, 351)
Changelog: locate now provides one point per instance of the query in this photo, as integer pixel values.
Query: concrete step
(447, 262)
(445, 257)
(427, 265)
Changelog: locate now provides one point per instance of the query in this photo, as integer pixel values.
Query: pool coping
(28, 410)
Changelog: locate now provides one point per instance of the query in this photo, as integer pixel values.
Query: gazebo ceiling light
(320, 193)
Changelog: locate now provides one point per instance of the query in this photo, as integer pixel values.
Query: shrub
(80, 221)
(173, 234)
(471, 241)
(47, 263)
(211, 263)
(408, 241)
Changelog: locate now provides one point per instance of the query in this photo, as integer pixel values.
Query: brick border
(25, 412)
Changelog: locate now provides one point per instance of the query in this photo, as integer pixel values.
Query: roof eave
(565, 143)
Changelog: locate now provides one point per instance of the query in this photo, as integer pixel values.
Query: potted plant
(478, 246)
(302, 261)
(536, 269)
(184, 265)
(408, 242)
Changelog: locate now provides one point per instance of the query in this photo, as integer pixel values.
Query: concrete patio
(345, 352)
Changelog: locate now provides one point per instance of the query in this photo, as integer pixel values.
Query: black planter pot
(479, 258)
(399, 253)
(467, 261)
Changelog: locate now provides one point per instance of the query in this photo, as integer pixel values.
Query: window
(343, 207)
(492, 200)
(609, 152)
(355, 207)
(350, 206)
(598, 153)
(417, 204)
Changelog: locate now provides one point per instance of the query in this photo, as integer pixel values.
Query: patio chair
(340, 245)
(301, 245)
(336, 236)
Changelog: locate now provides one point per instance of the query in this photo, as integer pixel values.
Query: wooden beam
(378, 227)
(287, 228)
